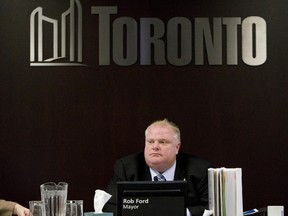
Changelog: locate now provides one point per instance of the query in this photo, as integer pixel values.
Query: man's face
(161, 147)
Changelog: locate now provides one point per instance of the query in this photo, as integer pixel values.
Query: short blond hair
(163, 123)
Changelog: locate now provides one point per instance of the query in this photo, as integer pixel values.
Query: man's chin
(155, 164)
(156, 159)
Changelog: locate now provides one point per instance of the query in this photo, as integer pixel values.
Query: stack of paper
(225, 191)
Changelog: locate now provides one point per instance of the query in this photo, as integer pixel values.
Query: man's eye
(163, 141)
(150, 141)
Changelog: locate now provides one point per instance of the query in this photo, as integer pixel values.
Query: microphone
(155, 178)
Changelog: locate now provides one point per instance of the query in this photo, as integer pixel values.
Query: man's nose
(156, 145)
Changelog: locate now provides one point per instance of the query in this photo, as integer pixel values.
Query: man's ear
(178, 147)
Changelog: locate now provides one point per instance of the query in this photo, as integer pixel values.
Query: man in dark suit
(161, 156)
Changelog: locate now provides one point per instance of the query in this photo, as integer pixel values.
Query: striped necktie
(159, 177)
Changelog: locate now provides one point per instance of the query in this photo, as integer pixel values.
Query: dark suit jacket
(194, 170)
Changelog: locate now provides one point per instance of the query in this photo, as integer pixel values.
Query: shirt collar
(168, 174)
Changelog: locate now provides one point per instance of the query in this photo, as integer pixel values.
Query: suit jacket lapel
(179, 172)
(145, 174)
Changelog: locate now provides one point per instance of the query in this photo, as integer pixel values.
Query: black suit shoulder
(192, 161)
(191, 166)
(139, 156)
(133, 167)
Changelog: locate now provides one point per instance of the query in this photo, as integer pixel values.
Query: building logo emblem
(66, 37)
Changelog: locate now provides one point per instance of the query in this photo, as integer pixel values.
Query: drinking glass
(36, 208)
(74, 208)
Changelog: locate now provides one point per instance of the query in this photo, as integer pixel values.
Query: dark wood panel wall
(70, 123)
